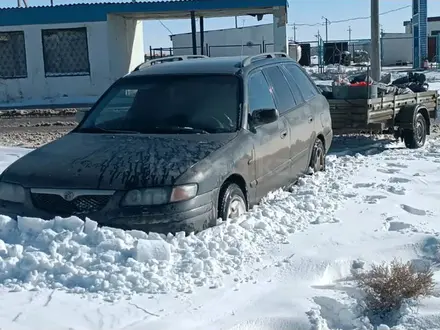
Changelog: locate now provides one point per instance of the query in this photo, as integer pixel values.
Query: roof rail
(250, 59)
(167, 59)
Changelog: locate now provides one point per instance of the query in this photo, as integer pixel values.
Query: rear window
(156, 104)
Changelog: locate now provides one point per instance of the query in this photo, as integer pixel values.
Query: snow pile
(80, 257)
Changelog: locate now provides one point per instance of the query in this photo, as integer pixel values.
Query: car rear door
(304, 118)
(271, 141)
(294, 111)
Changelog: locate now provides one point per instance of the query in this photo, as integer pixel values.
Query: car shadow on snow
(350, 145)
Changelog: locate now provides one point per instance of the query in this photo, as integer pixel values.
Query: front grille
(57, 205)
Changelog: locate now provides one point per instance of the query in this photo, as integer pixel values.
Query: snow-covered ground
(284, 265)
(48, 102)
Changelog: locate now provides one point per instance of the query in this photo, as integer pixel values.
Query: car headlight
(12, 192)
(159, 196)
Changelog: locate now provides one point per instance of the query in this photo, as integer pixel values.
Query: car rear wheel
(232, 203)
(317, 162)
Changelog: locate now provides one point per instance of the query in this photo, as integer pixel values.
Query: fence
(212, 50)
(396, 49)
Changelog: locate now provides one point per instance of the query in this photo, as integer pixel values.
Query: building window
(435, 33)
(12, 55)
(66, 52)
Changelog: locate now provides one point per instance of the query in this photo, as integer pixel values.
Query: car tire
(416, 138)
(231, 198)
(317, 161)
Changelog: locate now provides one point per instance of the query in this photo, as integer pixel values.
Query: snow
(44, 102)
(286, 264)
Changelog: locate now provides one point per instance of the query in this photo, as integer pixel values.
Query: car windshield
(168, 104)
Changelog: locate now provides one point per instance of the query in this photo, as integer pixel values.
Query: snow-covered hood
(105, 161)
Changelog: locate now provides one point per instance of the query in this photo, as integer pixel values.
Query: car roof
(206, 65)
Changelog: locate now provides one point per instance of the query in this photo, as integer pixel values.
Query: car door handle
(283, 134)
(310, 119)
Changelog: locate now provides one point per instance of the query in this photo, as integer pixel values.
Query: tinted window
(307, 88)
(178, 104)
(283, 95)
(260, 96)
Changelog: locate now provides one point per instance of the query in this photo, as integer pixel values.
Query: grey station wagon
(177, 144)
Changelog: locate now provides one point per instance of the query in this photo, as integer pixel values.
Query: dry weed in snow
(388, 287)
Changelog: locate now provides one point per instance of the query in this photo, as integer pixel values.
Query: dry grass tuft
(387, 287)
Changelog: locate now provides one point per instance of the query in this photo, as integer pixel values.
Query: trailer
(408, 117)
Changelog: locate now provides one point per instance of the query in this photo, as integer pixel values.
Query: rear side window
(293, 86)
(283, 94)
(260, 96)
(307, 88)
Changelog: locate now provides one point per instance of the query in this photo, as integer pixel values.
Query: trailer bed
(377, 114)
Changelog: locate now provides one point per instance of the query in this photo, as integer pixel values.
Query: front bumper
(189, 216)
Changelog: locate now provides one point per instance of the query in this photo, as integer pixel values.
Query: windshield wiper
(105, 130)
(179, 129)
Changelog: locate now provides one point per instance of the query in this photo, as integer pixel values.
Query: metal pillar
(321, 63)
(375, 41)
(194, 32)
(437, 53)
(202, 35)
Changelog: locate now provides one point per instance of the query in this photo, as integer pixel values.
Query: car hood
(116, 162)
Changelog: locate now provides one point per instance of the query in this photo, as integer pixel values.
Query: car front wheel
(232, 202)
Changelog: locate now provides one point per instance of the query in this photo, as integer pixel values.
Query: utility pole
(349, 41)
(327, 22)
(236, 22)
(19, 3)
(375, 41)
(294, 32)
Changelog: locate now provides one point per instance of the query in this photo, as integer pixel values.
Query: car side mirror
(80, 113)
(264, 116)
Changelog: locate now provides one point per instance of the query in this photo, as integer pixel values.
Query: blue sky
(300, 12)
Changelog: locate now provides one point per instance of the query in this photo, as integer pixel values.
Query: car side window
(260, 96)
(283, 95)
(293, 86)
(307, 88)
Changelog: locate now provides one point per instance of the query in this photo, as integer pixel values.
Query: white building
(70, 62)
(250, 40)
(397, 48)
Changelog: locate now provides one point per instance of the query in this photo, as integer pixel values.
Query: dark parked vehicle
(175, 146)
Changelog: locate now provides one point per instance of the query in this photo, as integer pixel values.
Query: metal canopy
(96, 12)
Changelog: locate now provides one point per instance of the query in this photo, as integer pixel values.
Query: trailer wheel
(416, 137)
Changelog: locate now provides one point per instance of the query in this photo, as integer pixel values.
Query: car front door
(271, 141)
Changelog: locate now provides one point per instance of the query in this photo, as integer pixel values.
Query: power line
(161, 23)
(353, 18)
